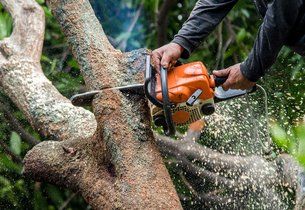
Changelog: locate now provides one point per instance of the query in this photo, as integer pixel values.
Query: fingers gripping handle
(220, 81)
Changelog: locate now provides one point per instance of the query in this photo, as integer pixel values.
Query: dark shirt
(283, 24)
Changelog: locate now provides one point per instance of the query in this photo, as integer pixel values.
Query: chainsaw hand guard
(170, 130)
(149, 89)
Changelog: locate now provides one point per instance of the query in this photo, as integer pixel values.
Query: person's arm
(206, 15)
(281, 17)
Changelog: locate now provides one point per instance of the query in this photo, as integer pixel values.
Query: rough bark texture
(23, 81)
(111, 157)
(114, 166)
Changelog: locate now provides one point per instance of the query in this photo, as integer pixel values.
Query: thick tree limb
(252, 180)
(123, 170)
(71, 164)
(23, 81)
(120, 167)
(27, 38)
(195, 152)
(89, 43)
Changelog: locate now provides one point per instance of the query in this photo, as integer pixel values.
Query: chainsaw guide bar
(86, 98)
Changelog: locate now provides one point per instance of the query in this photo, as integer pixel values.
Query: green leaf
(300, 132)
(301, 158)
(4, 181)
(45, 59)
(40, 201)
(40, 1)
(280, 137)
(15, 143)
(300, 136)
(241, 35)
(73, 63)
(245, 13)
(6, 164)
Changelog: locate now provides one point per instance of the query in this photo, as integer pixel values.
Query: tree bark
(22, 79)
(116, 165)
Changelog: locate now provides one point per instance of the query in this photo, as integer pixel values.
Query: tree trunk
(116, 165)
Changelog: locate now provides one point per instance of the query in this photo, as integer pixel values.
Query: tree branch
(26, 39)
(213, 160)
(71, 164)
(23, 81)
(89, 42)
(66, 203)
(120, 166)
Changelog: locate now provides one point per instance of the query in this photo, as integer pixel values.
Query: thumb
(221, 73)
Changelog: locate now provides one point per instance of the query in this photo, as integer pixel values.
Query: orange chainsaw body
(184, 80)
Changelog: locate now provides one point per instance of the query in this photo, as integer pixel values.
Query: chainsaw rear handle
(220, 81)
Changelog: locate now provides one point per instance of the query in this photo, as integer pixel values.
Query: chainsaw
(177, 97)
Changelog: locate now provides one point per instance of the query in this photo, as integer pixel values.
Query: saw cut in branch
(23, 81)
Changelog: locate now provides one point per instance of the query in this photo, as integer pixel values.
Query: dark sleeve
(206, 15)
(280, 18)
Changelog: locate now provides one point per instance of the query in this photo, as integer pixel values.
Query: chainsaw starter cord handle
(170, 129)
(220, 81)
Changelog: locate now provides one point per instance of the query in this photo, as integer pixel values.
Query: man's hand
(166, 55)
(236, 80)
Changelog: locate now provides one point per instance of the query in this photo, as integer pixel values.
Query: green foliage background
(284, 83)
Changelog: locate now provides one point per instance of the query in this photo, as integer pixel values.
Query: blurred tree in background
(132, 24)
